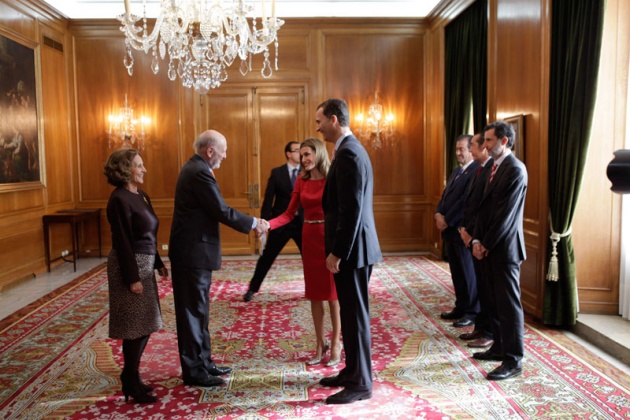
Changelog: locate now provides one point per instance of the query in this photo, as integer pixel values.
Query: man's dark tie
(293, 176)
(477, 174)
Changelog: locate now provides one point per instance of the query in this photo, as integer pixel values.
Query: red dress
(319, 282)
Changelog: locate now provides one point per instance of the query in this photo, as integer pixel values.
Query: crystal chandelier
(122, 129)
(377, 129)
(202, 38)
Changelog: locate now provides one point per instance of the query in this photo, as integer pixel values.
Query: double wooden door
(257, 123)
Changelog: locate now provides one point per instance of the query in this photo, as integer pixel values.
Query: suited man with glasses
(276, 201)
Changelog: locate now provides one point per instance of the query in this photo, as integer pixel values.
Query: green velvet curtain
(478, 60)
(576, 37)
(466, 46)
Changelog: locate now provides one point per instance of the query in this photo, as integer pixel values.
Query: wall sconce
(122, 129)
(377, 130)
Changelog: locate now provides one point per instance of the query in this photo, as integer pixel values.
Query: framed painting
(21, 154)
(518, 123)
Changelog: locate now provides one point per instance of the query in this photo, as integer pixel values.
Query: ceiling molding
(446, 11)
(385, 9)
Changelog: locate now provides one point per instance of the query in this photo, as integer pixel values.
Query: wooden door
(257, 123)
(280, 116)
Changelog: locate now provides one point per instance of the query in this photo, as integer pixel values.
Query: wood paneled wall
(518, 83)
(21, 233)
(402, 59)
(350, 58)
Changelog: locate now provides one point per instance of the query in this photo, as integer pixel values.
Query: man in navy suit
(195, 251)
(448, 217)
(499, 242)
(276, 201)
(481, 336)
(352, 247)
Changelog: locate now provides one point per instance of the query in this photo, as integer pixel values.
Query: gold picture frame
(518, 124)
(21, 140)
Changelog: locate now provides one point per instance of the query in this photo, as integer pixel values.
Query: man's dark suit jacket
(349, 226)
(278, 195)
(474, 195)
(499, 224)
(453, 201)
(350, 234)
(499, 228)
(199, 208)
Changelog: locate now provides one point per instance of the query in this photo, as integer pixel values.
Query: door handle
(256, 196)
(249, 195)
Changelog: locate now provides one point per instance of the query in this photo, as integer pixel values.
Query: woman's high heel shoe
(143, 386)
(132, 387)
(334, 360)
(318, 360)
(138, 395)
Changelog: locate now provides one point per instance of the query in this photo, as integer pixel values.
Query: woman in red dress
(319, 282)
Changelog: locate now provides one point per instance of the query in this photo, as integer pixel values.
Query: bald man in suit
(195, 251)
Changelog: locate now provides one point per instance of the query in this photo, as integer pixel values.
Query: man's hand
(262, 226)
(479, 251)
(332, 263)
(440, 222)
(466, 238)
(163, 272)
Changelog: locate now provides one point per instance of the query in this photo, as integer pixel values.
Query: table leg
(75, 243)
(47, 244)
(98, 224)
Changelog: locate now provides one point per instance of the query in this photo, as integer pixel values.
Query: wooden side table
(75, 218)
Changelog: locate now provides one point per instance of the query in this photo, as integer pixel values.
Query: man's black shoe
(331, 381)
(205, 382)
(218, 371)
(347, 396)
(504, 372)
(464, 322)
(248, 296)
(488, 355)
(451, 315)
(471, 335)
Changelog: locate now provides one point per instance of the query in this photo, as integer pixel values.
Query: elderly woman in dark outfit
(133, 296)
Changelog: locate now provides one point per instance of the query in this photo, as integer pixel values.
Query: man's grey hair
(208, 138)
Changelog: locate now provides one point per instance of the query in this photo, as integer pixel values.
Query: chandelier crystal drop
(202, 38)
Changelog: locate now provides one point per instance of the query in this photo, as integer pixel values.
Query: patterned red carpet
(57, 362)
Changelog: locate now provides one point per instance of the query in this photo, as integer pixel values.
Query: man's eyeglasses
(295, 151)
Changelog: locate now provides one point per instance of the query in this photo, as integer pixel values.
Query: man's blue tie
(293, 176)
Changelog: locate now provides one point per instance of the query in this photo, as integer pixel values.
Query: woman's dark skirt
(133, 315)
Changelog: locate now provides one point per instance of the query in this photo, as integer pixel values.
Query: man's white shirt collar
(500, 160)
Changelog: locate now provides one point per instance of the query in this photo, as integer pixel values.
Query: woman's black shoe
(133, 387)
(143, 386)
(137, 394)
